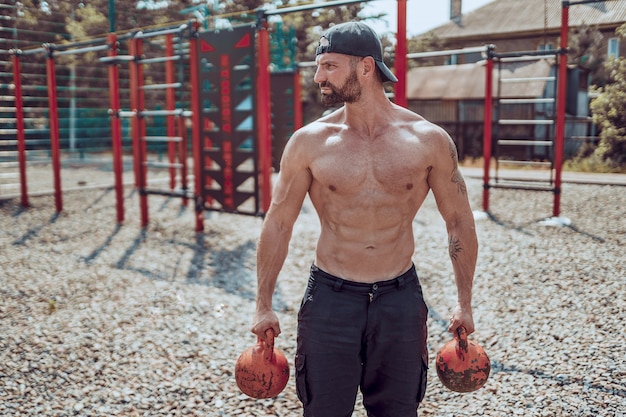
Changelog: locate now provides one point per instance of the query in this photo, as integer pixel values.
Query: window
(546, 47)
(613, 50)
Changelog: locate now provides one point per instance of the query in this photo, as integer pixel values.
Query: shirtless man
(367, 168)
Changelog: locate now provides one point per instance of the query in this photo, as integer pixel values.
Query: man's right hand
(264, 320)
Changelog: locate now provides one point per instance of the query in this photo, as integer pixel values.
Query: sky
(422, 15)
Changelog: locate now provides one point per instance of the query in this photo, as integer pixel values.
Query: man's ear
(368, 66)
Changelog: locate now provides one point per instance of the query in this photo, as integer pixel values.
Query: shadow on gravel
(125, 262)
(96, 252)
(560, 379)
(583, 233)
(229, 269)
(522, 228)
(106, 192)
(165, 204)
(510, 225)
(34, 232)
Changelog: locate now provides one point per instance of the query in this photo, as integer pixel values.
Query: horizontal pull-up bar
(161, 86)
(143, 113)
(311, 6)
(429, 54)
(159, 59)
(79, 44)
(161, 32)
(526, 79)
(526, 100)
(529, 55)
(65, 49)
(576, 2)
(81, 50)
(116, 59)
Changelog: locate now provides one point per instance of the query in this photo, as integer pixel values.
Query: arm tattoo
(454, 247)
(457, 178)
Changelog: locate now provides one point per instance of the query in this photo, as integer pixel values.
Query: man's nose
(319, 75)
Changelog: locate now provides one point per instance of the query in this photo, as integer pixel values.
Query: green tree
(424, 43)
(587, 52)
(609, 112)
(309, 26)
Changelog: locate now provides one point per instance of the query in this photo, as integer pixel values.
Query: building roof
(501, 17)
(467, 81)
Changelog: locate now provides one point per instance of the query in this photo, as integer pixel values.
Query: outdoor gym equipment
(206, 174)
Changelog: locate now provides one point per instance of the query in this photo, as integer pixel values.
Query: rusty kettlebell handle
(267, 345)
(461, 336)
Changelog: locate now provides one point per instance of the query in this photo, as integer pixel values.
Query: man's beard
(348, 93)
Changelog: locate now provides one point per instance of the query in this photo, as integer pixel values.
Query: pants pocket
(423, 380)
(301, 388)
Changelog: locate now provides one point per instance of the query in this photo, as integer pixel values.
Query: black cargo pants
(371, 336)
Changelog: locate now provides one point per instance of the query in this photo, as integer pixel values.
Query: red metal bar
(196, 126)
(401, 59)
(53, 118)
(139, 127)
(134, 105)
(170, 103)
(116, 127)
(560, 109)
(264, 115)
(19, 122)
(487, 126)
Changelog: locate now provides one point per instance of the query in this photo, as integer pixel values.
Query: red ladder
(176, 137)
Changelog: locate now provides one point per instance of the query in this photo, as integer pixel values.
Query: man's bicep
(446, 180)
(292, 184)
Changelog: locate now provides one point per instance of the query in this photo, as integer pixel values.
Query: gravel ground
(98, 319)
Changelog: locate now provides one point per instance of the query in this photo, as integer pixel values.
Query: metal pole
(81, 50)
(264, 115)
(116, 127)
(196, 127)
(134, 106)
(401, 59)
(111, 15)
(487, 126)
(182, 155)
(170, 103)
(19, 122)
(161, 32)
(577, 2)
(138, 127)
(72, 135)
(293, 9)
(430, 54)
(560, 115)
(53, 119)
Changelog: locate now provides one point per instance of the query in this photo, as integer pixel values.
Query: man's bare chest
(371, 170)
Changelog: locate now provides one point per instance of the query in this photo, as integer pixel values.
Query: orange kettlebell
(262, 371)
(462, 365)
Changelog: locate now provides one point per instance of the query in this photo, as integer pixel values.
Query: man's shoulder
(317, 128)
(423, 126)
(417, 122)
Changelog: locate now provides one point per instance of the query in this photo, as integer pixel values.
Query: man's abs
(365, 260)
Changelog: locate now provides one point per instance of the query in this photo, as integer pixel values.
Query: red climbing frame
(560, 114)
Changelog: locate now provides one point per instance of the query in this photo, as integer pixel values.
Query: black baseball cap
(357, 39)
